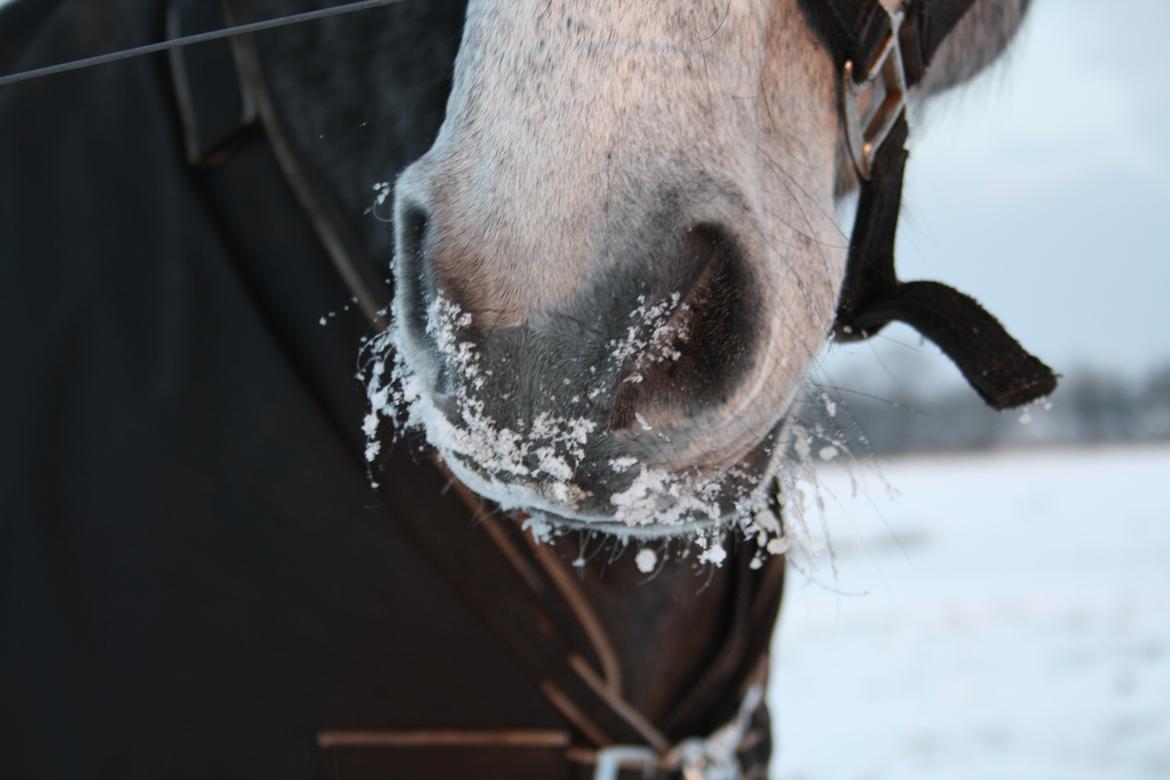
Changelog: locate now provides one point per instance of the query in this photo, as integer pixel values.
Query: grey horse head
(620, 258)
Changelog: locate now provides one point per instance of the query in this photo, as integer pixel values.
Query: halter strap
(856, 29)
(881, 55)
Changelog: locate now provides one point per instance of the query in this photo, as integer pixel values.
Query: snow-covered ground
(1008, 616)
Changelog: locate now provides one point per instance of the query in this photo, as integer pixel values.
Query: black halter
(881, 55)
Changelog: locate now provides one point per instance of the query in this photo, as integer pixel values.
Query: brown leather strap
(546, 576)
(385, 757)
(423, 755)
(500, 594)
(336, 235)
(377, 759)
(484, 740)
(738, 661)
(215, 111)
(577, 603)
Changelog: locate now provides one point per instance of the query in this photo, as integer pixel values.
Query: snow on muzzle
(603, 411)
(546, 417)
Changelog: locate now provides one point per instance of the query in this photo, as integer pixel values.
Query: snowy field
(1007, 616)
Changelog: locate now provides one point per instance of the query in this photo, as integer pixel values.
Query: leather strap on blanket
(520, 590)
(876, 53)
(551, 630)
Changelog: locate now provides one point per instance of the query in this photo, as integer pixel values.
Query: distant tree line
(1091, 406)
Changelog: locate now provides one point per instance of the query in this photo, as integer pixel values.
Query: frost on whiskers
(531, 465)
(545, 451)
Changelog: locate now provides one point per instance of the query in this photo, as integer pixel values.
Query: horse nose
(657, 320)
(442, 262)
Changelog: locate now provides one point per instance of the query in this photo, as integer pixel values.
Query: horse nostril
(415, 274)
(723, 305)
(720, 301)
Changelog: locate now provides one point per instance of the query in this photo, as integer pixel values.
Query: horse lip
(573, 509)
(564, 517)
(612, 527)
(470, 465)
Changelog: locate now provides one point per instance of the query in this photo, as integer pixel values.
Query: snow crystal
(383, 190)
(646, 560)
(623, 464)
(370, 425)
(715, 555)
(779, 545)
(830, 405)
(802, 441)
(540, 528)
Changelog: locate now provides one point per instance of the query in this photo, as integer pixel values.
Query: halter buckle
(871, 106)
(613, 759)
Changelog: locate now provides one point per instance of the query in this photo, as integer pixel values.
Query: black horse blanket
(196, 578)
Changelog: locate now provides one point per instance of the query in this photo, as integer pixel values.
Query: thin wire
(188, 40)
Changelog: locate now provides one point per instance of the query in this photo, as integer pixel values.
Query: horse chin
(655, 503)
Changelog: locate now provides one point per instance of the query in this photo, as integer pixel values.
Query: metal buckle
(611, 760)
(710, 758)
(871, 107)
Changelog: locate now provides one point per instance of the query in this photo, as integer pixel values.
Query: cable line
(187, 40)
